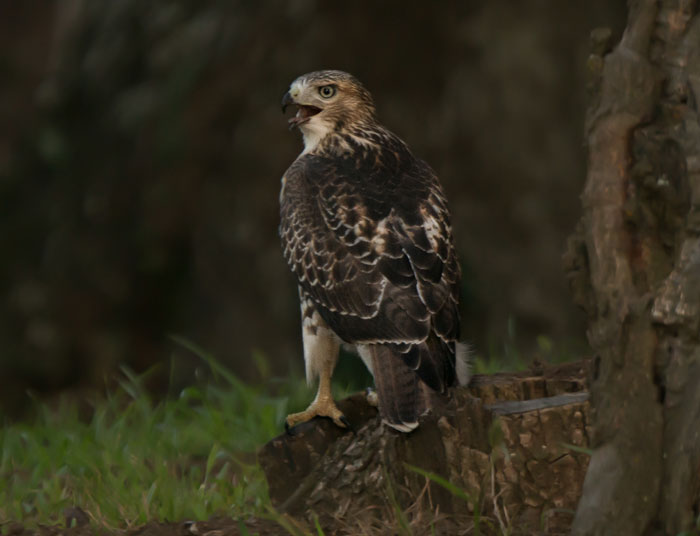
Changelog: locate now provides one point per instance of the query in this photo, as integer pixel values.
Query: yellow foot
(318, 408)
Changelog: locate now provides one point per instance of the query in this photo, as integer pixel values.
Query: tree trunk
(514, 444)
(634, 266)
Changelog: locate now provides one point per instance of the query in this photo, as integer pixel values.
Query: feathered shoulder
(365, 228)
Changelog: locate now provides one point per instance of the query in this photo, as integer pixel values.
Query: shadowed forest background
(142, 144)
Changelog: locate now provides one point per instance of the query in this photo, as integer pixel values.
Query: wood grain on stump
(510, 442)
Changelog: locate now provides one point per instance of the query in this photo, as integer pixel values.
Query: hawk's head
(327, 101)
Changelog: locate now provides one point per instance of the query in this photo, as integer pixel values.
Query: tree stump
(513, 445)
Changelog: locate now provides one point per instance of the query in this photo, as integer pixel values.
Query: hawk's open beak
(286, 101)
(304, 112)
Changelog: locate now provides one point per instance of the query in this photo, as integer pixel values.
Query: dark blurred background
(141, 147)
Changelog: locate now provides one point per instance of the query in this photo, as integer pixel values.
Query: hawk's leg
(370, 394)
(321, 348)
(322, 406)
(372, 397)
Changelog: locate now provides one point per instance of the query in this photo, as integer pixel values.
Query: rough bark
(506, 441)
(634, 266)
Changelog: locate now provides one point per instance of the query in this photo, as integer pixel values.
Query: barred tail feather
(401, 396)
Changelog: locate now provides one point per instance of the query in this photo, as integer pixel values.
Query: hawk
(366, 230)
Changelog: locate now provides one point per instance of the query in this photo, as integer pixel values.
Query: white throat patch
(314, 130)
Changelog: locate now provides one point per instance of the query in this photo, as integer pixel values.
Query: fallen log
(511, 447)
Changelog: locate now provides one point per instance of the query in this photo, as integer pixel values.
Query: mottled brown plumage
(366, 229)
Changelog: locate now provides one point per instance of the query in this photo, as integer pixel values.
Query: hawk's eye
(327, 91)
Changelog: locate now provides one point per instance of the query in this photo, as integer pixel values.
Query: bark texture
(509, 441)
(634, 266)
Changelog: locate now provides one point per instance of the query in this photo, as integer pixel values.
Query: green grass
(130, 459)
(135, 459)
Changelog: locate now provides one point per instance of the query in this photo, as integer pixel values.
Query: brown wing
(369, 238)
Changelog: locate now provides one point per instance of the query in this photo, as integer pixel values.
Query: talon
(322, 408)
(343, 419)
(289, 430)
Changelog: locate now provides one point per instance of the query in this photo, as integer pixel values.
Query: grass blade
(449, 486)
